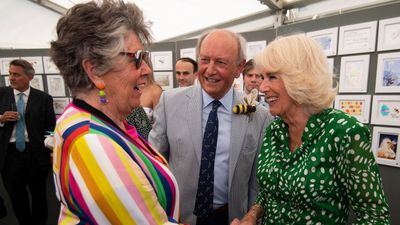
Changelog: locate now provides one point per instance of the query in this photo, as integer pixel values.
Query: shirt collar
(226, 101)
(26, 92)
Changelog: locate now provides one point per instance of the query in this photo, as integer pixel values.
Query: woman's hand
(247, 220)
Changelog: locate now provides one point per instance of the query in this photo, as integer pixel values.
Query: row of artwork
(359, 38)
(55, 84)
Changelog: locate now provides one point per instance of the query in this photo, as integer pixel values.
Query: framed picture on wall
(7, 81)
(162, 60)
(189, 53)
(357, 38)
(49, 66)
(5, 65)
(37, 82)
(164, 79)
(354, 73)
(388, 73)
(55, 85)
(385, 145)
(255, 47)
(389, 34)
(36, 62)
(59, 104)
(386, 110)
(327, 38)
(355, 105)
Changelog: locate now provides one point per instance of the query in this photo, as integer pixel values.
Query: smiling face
(123, 81)
(218, 63)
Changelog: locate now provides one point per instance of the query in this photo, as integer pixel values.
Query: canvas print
(385, 145)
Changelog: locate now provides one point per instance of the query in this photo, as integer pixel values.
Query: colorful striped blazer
(104, 175)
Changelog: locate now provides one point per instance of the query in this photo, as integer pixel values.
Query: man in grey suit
(182, 119)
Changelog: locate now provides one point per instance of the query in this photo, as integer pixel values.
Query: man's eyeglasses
(137, 57)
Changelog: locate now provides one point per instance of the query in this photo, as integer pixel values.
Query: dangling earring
(102, 94)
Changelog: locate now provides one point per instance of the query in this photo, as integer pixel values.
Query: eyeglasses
(137, 57)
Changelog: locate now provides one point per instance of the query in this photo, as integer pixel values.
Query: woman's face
(123, 82)
(280, 103)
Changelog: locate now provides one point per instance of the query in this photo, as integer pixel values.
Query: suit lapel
(193, 118)
(31, 100)
(239, 128)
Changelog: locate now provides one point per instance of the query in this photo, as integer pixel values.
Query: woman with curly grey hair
(105, 173)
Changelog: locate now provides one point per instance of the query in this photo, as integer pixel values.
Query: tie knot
(20, 95)
(216, 104)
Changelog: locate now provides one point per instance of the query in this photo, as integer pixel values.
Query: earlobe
(89, 69)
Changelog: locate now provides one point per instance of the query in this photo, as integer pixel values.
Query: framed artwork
(386, 110)
(389, 34)
(357, 38)
(55, 85)
(162, 60)
(59, 104)
(36, 62)
(6, 81)
(5, 65)
(385, 145)
(327, 38)
(188, 52)
(355, 105)
(37, 82)
(388, 73)
(49, 66)
(255, 47)
(331, 65)
(165, 79)
(354, 73)
(238, 83)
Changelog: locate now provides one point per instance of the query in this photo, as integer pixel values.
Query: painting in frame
(189, 53)
(385, 145)
(327, 38)
(357, 38)
(55, 85)
(49, 66)
(355, 105)
(36, 62)
(254, 47)
(5, 65)
(354, 73)
(59, 105)
(37, 82)
(162, 60)
(388, 73)
(386, 110)
(389, 34)
(164, 79)
(6, 81)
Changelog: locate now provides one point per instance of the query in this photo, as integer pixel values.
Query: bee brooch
(249, 104)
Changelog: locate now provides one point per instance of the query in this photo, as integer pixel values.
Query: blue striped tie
(205, 189)
(20, 127)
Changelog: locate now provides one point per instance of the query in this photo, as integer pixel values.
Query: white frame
(331, 64)
(55, 85)
(161, 60)
(382, 60)
(389, 34)
(49, 66)
(365, 109)
(164, 79)
(357, 38)
(5, 65)
(330, 34)
(37, 82)
(354, 74)
(392, 108)
(59, 104)
(376, 145)
(36, 62)
(254, 47)
(189, 53)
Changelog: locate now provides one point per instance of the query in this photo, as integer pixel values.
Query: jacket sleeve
(158, 135)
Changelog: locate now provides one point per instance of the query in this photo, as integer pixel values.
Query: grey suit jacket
(177, 132)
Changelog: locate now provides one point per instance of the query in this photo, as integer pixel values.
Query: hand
(9, 116)
(245, 221)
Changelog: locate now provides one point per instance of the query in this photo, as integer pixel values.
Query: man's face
(218, 63)
(19, 80)
(184, 73)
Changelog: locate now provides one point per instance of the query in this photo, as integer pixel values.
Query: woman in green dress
(316, 162)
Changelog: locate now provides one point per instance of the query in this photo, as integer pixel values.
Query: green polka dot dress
(332, 171)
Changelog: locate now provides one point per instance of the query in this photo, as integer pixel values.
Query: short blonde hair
(304, 70)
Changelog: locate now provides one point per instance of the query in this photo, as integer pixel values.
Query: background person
(192, 122)
(251, 77)
(186, 71)
(24, 160)
(316, 162)
(104, 172)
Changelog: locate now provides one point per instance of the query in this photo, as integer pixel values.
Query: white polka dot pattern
(332, 171)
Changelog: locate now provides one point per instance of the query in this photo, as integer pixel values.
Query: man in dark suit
(24, 160)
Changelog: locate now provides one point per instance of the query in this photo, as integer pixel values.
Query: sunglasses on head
(137, 56)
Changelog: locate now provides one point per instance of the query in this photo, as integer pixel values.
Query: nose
(265, 86)
(145, 69)
(210, 67)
